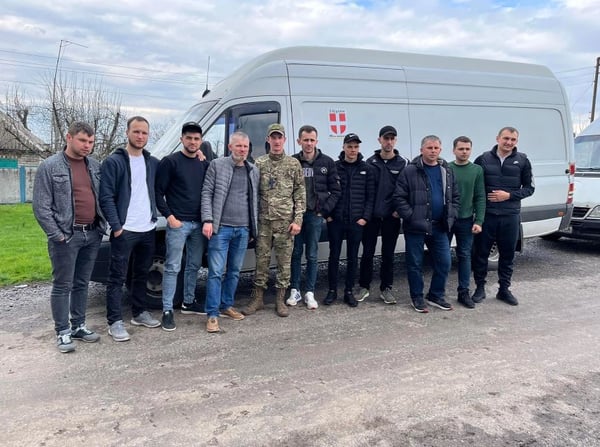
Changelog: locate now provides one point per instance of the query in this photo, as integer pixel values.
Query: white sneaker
(311, 303)
(295, 298)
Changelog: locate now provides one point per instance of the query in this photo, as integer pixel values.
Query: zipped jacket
(357, 181)
(386, 175)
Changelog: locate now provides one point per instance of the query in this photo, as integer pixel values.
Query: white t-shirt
(139, 213)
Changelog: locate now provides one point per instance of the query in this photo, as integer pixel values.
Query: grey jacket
(53, 202)
(216, 186)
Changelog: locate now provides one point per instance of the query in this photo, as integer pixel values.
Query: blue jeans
(72, 265)
(439, 249)
(189, 235)
(463, 230)
(309, 236)
(226, 250)
(140, 246)
(336, 231)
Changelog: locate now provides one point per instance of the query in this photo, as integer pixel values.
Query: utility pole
(595, 89)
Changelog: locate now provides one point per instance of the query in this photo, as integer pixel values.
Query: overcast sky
(155, 53)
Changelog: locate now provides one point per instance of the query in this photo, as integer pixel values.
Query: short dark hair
(137, 118)
(308, 129)
(461, 139)
(80, 126)
(509, 128)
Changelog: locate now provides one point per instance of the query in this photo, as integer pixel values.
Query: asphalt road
(377, 375)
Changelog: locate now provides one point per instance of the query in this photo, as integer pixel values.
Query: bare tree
(14, 123)
(76, 98)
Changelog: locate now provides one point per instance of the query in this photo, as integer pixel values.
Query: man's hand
(207, 230)
(361, 222)
(173, 222)
(476, 229)
(498, 196)
(200, 155)
(294, 229)
(118, 232)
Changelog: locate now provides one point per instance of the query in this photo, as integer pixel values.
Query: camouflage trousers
(273, 234)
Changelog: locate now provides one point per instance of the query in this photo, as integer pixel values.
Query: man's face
(431, 151)
(308, 141)
(239, 148)
(79, 145)
(388, 142)
(191, 142)
(507, 141)
(462, 152)
(137, 134)
(277, 142)
(351, 151)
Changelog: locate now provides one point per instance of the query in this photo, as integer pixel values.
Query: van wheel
(552, 237)
(493, 258)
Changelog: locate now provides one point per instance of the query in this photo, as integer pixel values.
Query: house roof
(15, 137)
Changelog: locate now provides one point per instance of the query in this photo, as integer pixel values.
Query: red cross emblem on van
(337, 121)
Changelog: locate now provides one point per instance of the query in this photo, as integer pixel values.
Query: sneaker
(349, 298)
(465, 299)
(330, 298)
(295, 297)
(387, 297)
(212, 325)
(439, 303)
(363, 294)
(309, 299)
(118, 332)
(145, 319)
(168, 321)
(82, 333)
(192, 308)
(479, 294)
(65, 343)
(419, 305)
(233, 314)
(507, 296)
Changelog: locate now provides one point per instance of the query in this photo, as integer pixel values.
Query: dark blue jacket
(413, 197)
(386, 175)
(514, 176)
(326, 182)
(115, 186)
(358, 190)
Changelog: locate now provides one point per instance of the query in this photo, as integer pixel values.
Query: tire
(493, 258)
(552, 237)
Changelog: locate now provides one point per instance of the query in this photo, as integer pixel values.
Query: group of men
(281, 202)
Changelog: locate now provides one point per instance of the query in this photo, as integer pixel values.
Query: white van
(585, 221)
(341, 90)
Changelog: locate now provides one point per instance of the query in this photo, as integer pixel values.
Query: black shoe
(349, 299)
(168, 322)
(193, 308)
(439, 302)
(465, 299)
(330, 298)
(507, 296)
(419, 305)
(479, 294)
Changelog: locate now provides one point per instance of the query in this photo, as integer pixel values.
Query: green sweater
(469, 178)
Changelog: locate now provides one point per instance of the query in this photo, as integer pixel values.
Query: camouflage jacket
(281, 191)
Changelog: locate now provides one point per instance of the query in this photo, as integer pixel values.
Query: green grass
(23, 247)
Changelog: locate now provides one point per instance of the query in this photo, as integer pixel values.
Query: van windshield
(170, 141)
(587, 153)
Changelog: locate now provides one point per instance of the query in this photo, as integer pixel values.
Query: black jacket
(413, 197)
(386, 175)
(358, 190)
(326, 182)
(514, 176)
(115, 186)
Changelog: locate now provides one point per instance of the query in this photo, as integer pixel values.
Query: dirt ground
(377, 375)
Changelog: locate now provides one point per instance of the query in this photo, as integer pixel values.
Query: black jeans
(390, 229)
(504, 230)
(140, 246)
(336, 231)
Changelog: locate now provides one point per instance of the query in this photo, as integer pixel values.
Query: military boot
(282, 309)
(256, 303)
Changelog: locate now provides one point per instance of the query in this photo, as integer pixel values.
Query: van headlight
(595, 213)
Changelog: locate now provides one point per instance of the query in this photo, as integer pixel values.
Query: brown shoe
(212, 325)
(257, 302)
(281, 308)
(233, 314)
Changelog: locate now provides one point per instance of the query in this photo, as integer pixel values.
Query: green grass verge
(23, 247)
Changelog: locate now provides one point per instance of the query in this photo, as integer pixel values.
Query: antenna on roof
(207, 91)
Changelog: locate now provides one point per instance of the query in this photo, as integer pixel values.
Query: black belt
(84, 227)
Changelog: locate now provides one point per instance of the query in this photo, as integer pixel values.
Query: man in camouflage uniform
(282, 202)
